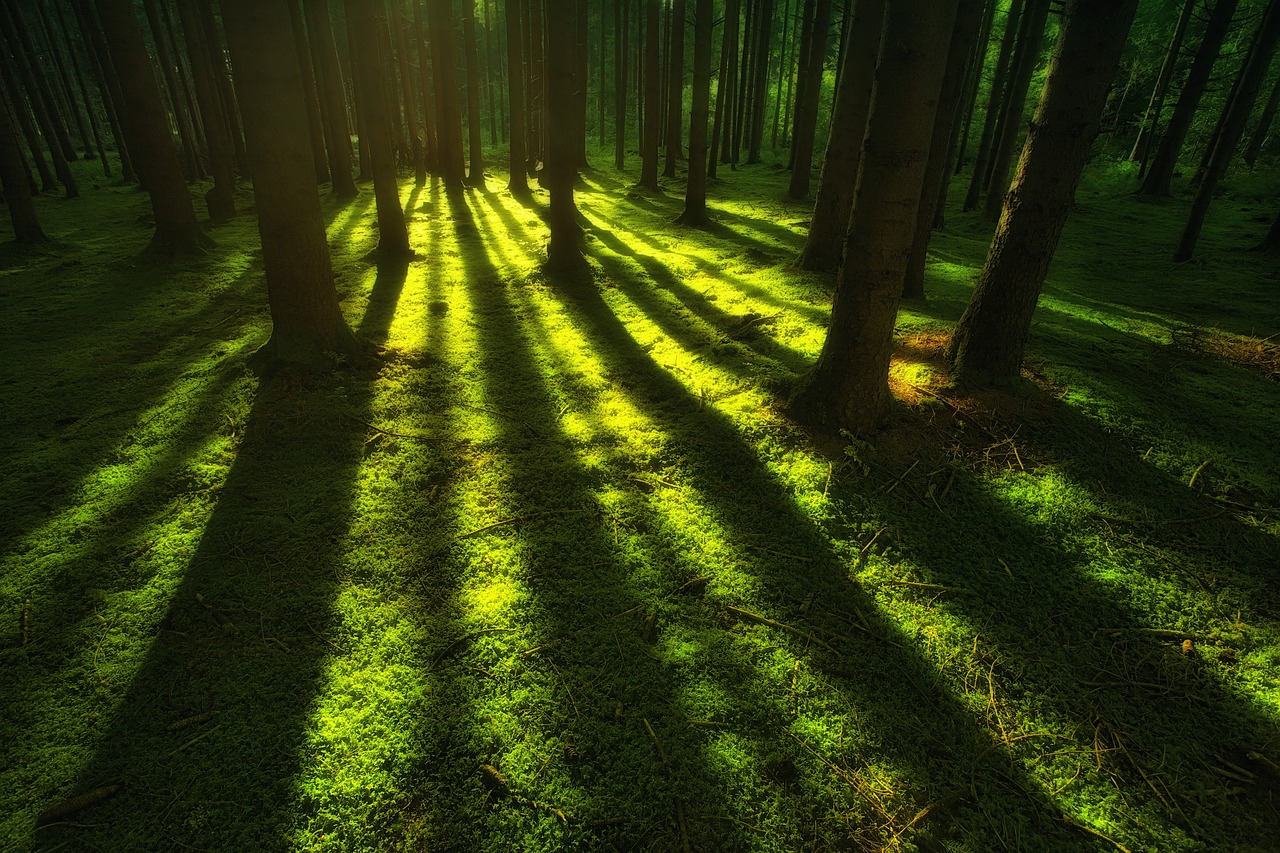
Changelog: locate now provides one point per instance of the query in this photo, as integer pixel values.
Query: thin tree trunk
(48, 183)
(695, 198)
(1019, 83)
(652, 122)
(184, 76)
(1263, 126)
(337, 132)
(807, 110)
(991, 336)
(784, 70)
(310, 95)
(226, 92)
(64, 77)
(621, 11)
(95, 126)
(604, 100)
(731, 25)
(722, 86)
(186, 131)
(489, 89)
(582, 53)
(14, 179)
(760, 91)
(108, 86)
(475, 134)
(430, 143)
(444, 68)
(675, 90)
(519, 183)
(564, 251)
(1151, 118)
(220, 200)
(538, 107)
(974, 83)
(996, 97)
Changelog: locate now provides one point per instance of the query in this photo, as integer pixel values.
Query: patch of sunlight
(490, 597)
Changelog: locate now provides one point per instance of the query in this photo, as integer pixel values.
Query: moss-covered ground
(555, 574)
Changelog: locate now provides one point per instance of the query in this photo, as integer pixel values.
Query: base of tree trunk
(221, 205)
(187, 241)
(311, 355)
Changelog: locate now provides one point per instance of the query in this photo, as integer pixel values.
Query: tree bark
(564, 252)
(1160, 176)
(310, 93)
(1151, 118)
(13, 179)
(430, 144)
(10, 85)
(329, 72)
(695, 197)
(991, 336)
(362, 31)
(755, 136)
(307, 324)
(95, 126)
(848, 387)
(475, 135)
(807, 107)
(220, 199)
(621, 9)
(675, 90)
(519, 183)
(999, 82)
(444, 67)
(825, 243)
(652, 111)
(226, 91)
(64, 77)
(1263, 127)
(973, 84)
(176, 228)
(722, 84)
(108, 85)
(1234, 116)
(181, 118)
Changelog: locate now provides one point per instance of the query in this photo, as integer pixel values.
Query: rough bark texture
(310, 92)
(991, 336)
(999, 82)
(175, 217)
(13, 179)
(1160, 175)
(362, 30)
(1006, 142)
(564, 252)
(695, 196)
(444, 66)
(825, 243)
(807, 105)
(1234, 117)
(652, 111)
(968, 19)
(675, 90)
(306, 320)
(848, 388)
(332, 89)
(220, 199)
(186, 133)
(519, 182)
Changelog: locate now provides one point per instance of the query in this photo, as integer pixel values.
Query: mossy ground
(508, 589)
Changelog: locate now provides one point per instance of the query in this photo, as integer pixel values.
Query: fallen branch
(1089, 829)
(533, 516)
(70, 806)
(764, 620)
(389, 433)
(671, 777)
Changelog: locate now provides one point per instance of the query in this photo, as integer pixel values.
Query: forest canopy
(640, 425)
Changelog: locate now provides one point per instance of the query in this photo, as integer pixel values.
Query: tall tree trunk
(48, 183)
(675, 90)
(564, 252)
(220, 200)
(977, 67)
(186, 131)
(991, 336)
(311, 97)
(226, 91)
(582, 52)
(652, 121)
(968, 21)
(64, 77)
(761, 83)
(362, 31)
(539, 112)
(183, 76)
(13, 179)
(519, 183)
(95, 126)
(742, 84)
(996, 97)
(825, 243)
(1151, 118)
(784, 71)
(1263, 127)
(490, 91)
(730, 80)
(337, 132)
(307, 323)
(444, 67)
(621, 10)
(475, 134)
(695, 197)
(430, 143)
(1006, 143)
(722, 84)
(848, 387)
(1235, 115)
(604, 100)
(807, 109)
(177, 230)
(107, 83)
(1160, 175)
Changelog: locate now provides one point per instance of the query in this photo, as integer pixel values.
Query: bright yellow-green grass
(556, 573)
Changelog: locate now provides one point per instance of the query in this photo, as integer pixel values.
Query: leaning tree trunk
(564, 252)
(830, 222)
(307, 323)
(519, 182)
(362, 30)
(1234, 117)
(848, 387)
(9, 85)
(807, 106)
(1151, 118)
(220, 199)
(695, 195)
(186, 130)
(991, 336)
(1271, 242)
(675, 90)
(95, 125)
(108, 84)
(995, 97)
(177, 230)
(13, 179)
(1160, 176)
(968, 21)
(310, 90)
(652, 121)
(1263, 127)
(329, 72)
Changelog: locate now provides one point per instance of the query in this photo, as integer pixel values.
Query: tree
(107, 83)
(307, 323)
(848, 387)
(220, 200)
(675, 89)
(812, 59)
(825, 241)
(334, 93)
(1263, 127)
(652, 113)
(564, 254)
(519, 183)
(393, 234)
(177, 230)
(621, 19)
(1151, 118)
(475, 176)
(695, 195)
(444, 66)
(14, 181)
(1232, 124)
(999, 82)
(1271, 242)
(991, 336)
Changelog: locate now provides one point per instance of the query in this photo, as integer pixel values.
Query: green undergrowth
(556, 574)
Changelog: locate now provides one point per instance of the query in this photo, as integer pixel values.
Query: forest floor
(556, 574)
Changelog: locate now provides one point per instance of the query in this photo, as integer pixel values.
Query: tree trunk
(621, 10)
(973, 84)
(564, 252)
(226, 91)
(730, 82)
(848, 387)
(315, 126)
(307, 323)
(982, 162)
(784, 71)
(475, 131)
(675, 90)
(444, 67)
(184, 80)
(186, 133)
(807, 108)
(337, 133)
(968, 20)
(362, 31)
(1151, 118)
(722, 84)
(695, 197)
(430, 143)
(519, 183)
(1235, 115)
(652, 120)
(13, 179)
(991, 336)
(604, 100)
(64, 77)
(538, 114)
(1271, 242)
(761, 83)
(108, 85)
(48, 183)
(1160, 176)
(825, 243)
(95, 126)
(1037, 12)
(177, 230)
(1263, 127)
(582, 52)
(220, 199)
